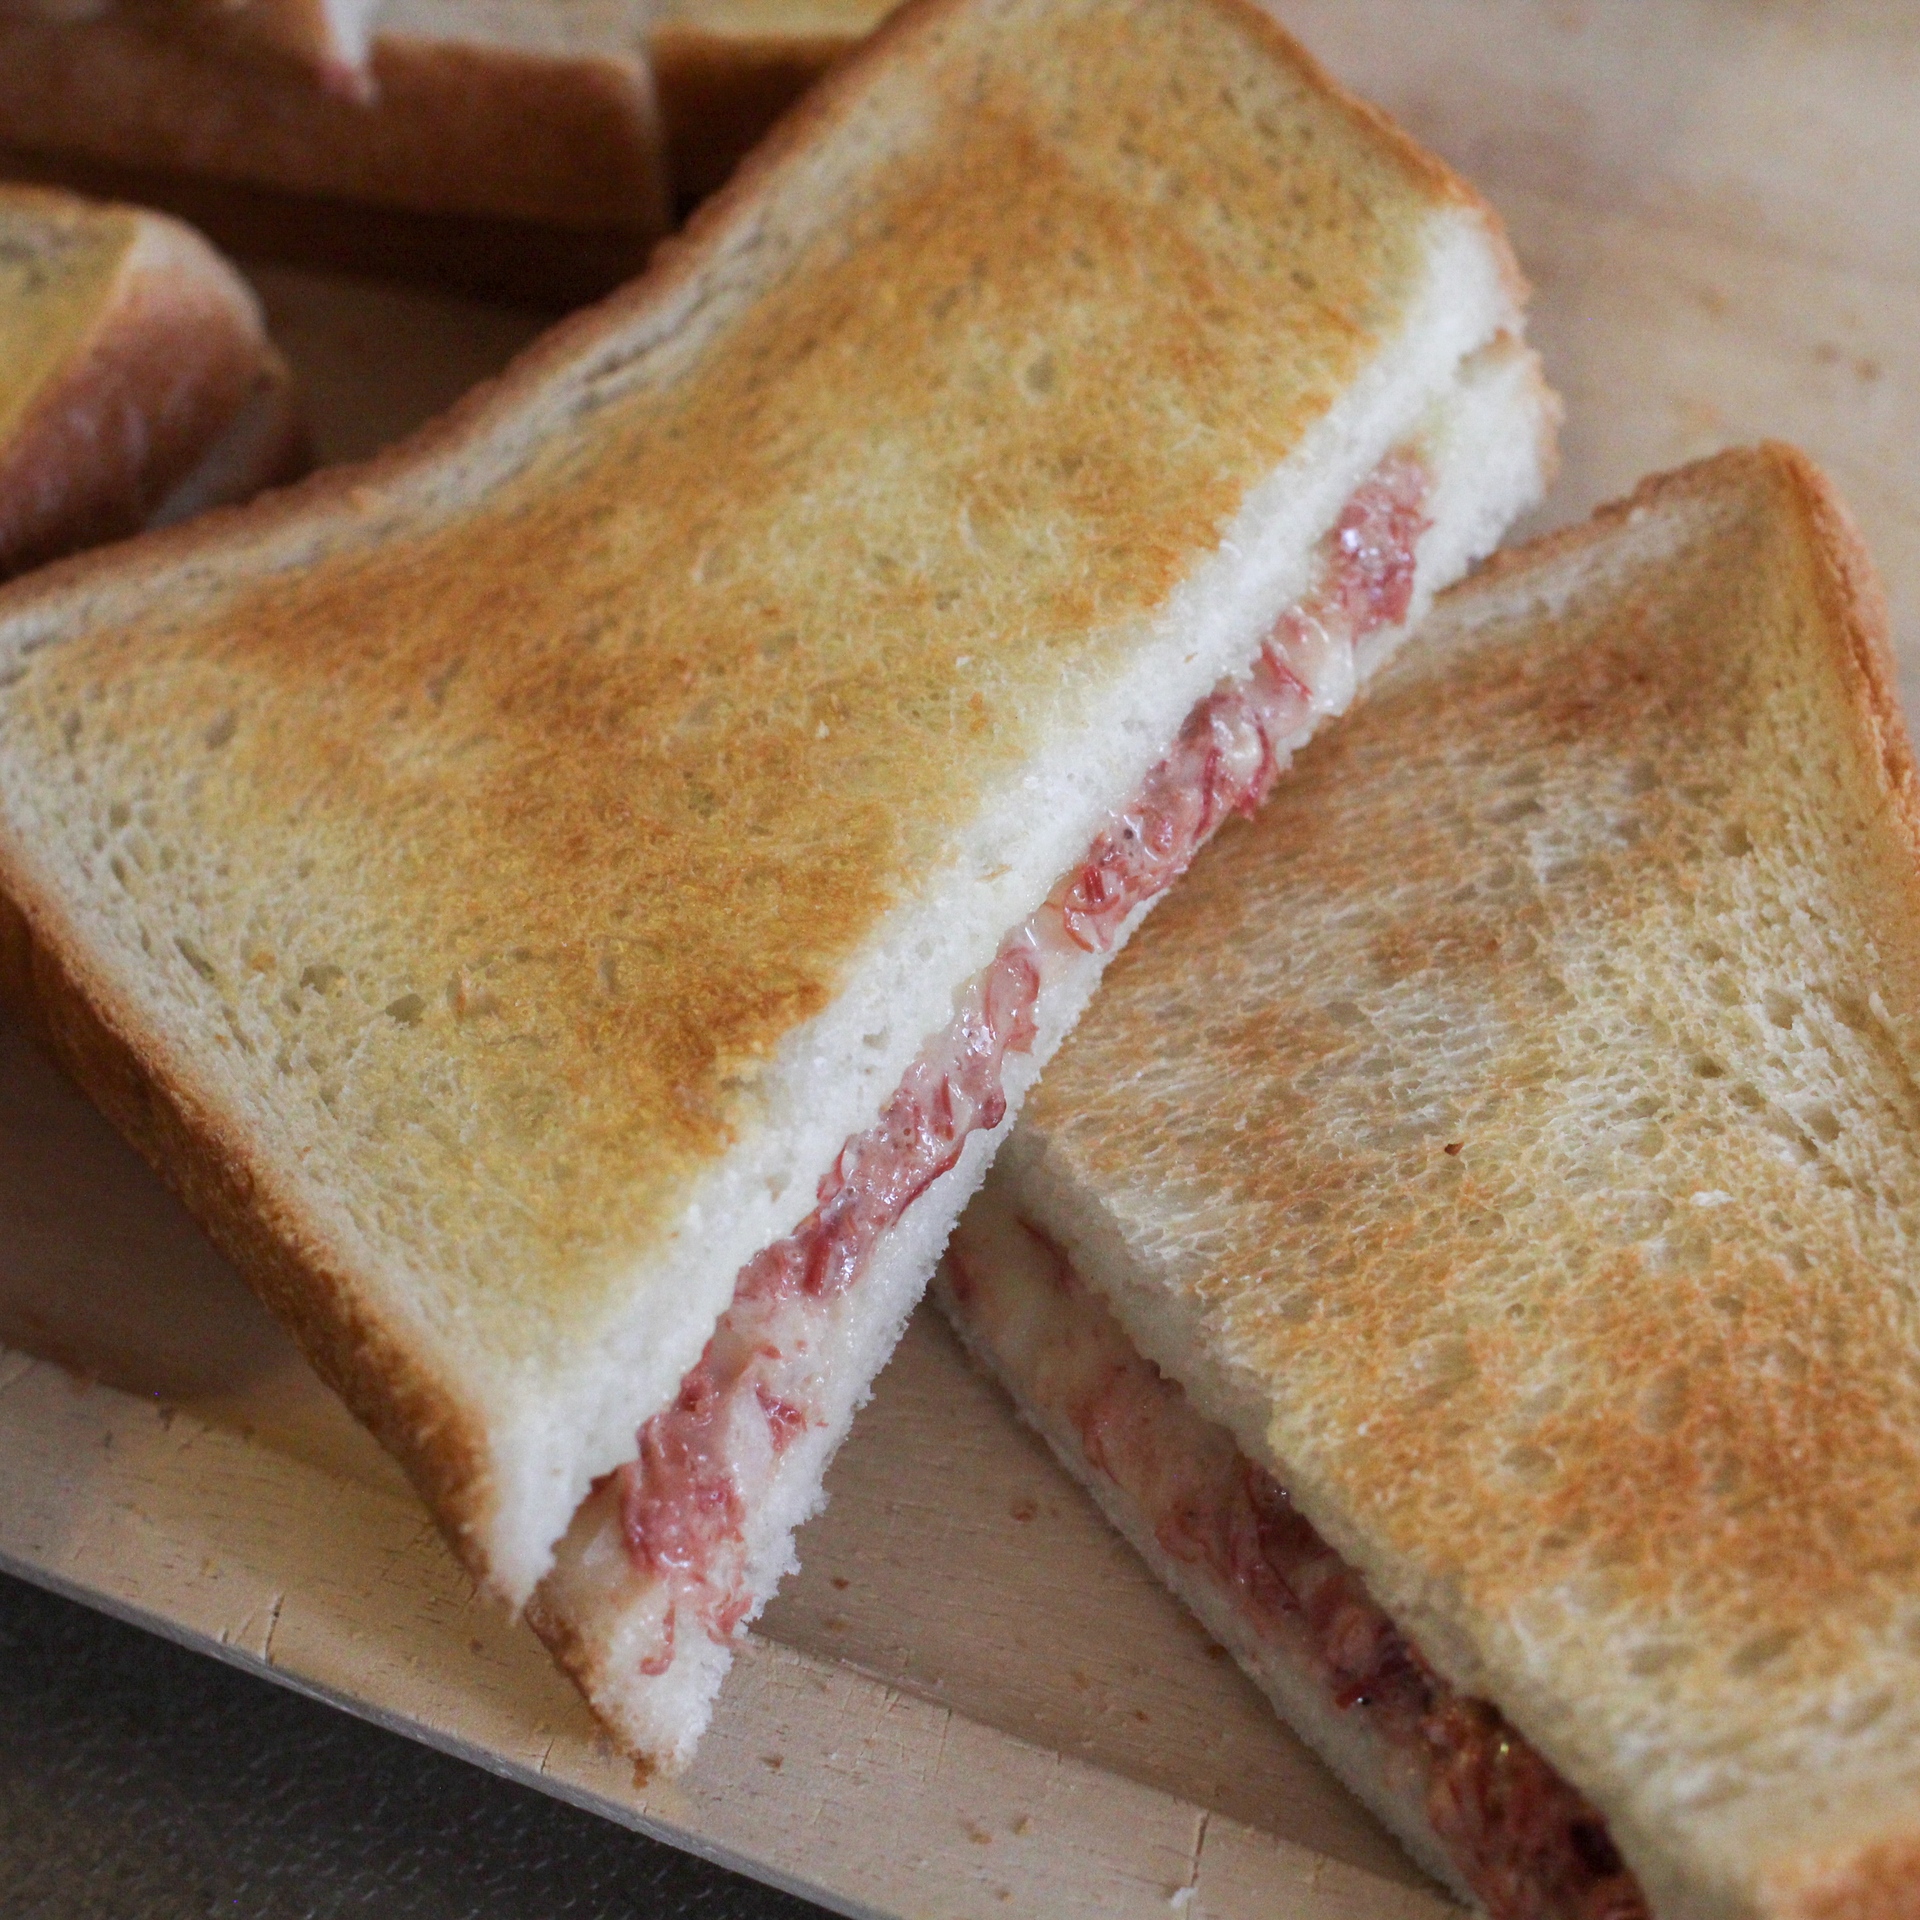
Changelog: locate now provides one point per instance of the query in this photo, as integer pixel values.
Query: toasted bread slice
(500, 884)
(137, 384)
(1530, 1193)
(523, 112)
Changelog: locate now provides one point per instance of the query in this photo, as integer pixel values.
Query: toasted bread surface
(1533, 1186)
(134, 370)
(457, 845)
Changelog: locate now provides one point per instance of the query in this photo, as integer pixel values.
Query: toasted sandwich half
(137, 383)
(576, 904)
(1470, 1247)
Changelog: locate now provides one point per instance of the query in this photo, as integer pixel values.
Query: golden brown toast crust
(604, 825)
(1538, 1207)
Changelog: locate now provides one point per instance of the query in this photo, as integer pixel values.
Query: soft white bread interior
(137, 382)
(746, 665)
(1531, 1190)
(1487, 447)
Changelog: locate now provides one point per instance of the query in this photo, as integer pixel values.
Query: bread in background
(137, 383)
(529, 125)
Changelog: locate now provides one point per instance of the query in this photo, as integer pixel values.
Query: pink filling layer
(702, 1462)
(1529, 1846)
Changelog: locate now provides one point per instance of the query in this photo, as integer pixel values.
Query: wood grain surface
(972, 1700)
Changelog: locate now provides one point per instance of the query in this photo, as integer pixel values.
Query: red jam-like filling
(1226, 757)
(1527, 1844)
(702, 1461)
(682, 1502)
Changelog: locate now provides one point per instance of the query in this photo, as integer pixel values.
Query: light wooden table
(972, 1701)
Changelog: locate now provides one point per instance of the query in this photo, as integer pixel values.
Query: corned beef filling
(1524, 1841)
(714, 1452)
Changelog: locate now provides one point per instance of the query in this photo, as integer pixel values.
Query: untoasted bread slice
(137, 384)
(1531, 1187)
(499, 884)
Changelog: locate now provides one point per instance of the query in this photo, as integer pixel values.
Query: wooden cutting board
(972, 1701)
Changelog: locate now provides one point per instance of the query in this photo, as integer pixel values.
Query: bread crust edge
(70, 1011)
